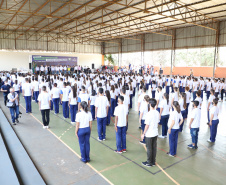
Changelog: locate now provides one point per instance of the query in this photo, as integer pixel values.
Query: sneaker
(139, 127)
(146, 164)
(82, 161)
(55, 113)
(153, 164)
(209, 141)
(99, 139)
(190, 146)
(14, 123)
(104, 139)
(143, 143)
(118, 152)
(124, 150)
(44, 127)
(194, 147)
(162, 137)
(17, 120)
(47, 127)
(171, 155)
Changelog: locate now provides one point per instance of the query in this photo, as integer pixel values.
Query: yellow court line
(71, 149)
(164, 170)
(212, 151)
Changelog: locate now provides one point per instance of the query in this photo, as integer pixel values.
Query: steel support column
(120, 53)
(173, 51)
(142, 49)
(216, 48)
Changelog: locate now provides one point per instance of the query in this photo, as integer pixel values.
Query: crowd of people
(162, 101)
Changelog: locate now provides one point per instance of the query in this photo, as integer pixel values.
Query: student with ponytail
(73, 103)
(210, 102)
(143, 111)
(83, 131)
(164, 114)
(183, 106)
(175, 120)
(92, 103)
(113, 101)
(107, 94)
(174, 96)
(188, 97)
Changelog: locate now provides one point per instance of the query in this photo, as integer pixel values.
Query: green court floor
(206, 165)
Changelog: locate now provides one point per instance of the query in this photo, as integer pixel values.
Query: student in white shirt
(83, 96)
(195, 124)
(159, 97)
(107, 94)
(164, 114)
(92, 103)
(183, 107)
(55, 96)
(153, 89)
(151, 133)
(16, 87)
(72, 103)
(214, 121)
(125, 102)
(208, 88)
(64, 100)
(143, 112)
(44, 106)
(188, 97)
(210, 103)
(195, 88)
(83, 131)
(36, 89)
(113, 100)
(198, 98)
(175, 120)
(121, 112)
(27, 94)
(101, 111)
(174, 96)
(14, 98)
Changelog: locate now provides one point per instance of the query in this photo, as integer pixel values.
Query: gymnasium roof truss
(96, 21)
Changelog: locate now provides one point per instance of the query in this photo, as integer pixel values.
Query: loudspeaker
(92, 66)
(29, 65)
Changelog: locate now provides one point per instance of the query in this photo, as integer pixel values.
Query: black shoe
(82, 161)
(88, 161)
(17, 120)
(146, 164)
(143, 143)
(139, 127)
(153, 164)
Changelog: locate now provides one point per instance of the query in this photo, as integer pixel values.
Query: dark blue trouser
(147, 85)
(207, 94)
(194, 95)
(92, 109)
(213, 130)
(13, 111)
(187, 109)
(173, 139)
(194, 135)
(167, 89)
(112, 107)
(56, 104)
(131, 101)
(83, 139)
(184, 116)
(134, 89)
(116, 101)
(36, 93)
(142, 127)
(222, 94)
(28, 103)
(164, 122)
(51, 104)
(65, 109)
(101, 127)
(202, 94)
(121, 138)
(153, 94)
(109, 118)
(73, 111)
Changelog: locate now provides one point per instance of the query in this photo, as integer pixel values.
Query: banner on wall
(39, 60)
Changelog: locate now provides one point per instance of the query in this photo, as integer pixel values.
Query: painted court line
(71, 149)
(212, 152)
(165, 171)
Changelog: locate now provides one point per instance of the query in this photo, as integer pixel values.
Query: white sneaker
(209, 141)
(47, 127)
(44, 127)
(98, 139)
(162, 137)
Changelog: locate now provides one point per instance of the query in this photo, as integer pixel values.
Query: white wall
(20, 59)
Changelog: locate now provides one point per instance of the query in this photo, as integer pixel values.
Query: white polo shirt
(44, 98)
(73, 100)
(55, 92)
(211, 98)
(165, 107)
(121, 111)
(65, 92)
(196, 115)
(83, 119)
(174, 115)
(159, 97)
(101, 103)
(27, 87)
(215, 111)
(152, 119)
(144, 109)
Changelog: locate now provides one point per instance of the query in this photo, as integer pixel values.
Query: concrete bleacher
(25, 168)
(7, 173)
